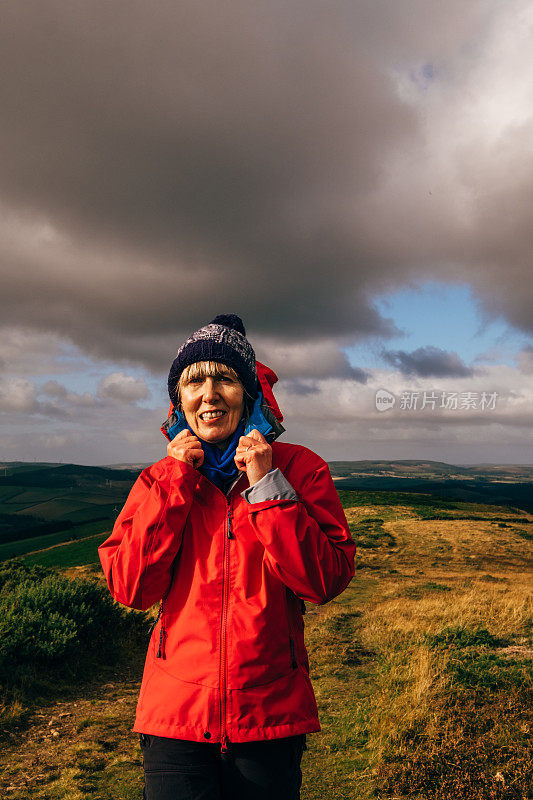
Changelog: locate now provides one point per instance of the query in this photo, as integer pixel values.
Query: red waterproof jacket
(226, 660)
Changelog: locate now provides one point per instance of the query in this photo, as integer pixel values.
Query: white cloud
(525, 360)
(119, 386)
(17, 394)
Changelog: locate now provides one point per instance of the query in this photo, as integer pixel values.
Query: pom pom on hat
(230, 321)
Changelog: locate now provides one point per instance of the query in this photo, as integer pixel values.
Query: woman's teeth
(211, 414)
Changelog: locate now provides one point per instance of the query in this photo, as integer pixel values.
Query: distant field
(18, 548)
(9, 492)
(40, 543)
(514, 495)
(74, 554)
(44, 505)
(30, 497)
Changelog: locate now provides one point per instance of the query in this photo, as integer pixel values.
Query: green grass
(42, 543)
(32, 496)
(369, 533)
(56, 508)
(22, 546)
(8, 492)
(90, 512)
(351, 498)
(459, 637)
(74, 554)
(481, 670)
(42, 503)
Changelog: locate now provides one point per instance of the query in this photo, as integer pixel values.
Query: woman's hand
(186, 447)
(254, 456)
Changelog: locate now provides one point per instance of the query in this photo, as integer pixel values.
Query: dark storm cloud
(163, 163)
(317, 359)
(428, 362)
(198, 150)
(54, 389)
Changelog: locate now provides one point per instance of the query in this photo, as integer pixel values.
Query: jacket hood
(265, 415)
(267, 378)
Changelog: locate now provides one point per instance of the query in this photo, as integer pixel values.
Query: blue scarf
(219, 465)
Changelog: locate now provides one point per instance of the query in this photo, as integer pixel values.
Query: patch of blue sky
(446, 316)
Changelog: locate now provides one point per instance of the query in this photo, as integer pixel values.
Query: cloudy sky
(353, 177)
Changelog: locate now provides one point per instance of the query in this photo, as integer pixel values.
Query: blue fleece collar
(219, 465)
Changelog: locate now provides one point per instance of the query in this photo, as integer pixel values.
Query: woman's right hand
(186, 447)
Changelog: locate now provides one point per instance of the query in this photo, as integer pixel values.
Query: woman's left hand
(254, 456)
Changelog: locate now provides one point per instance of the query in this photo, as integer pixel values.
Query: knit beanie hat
(223, 340)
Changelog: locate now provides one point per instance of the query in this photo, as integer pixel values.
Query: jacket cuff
(272, 486)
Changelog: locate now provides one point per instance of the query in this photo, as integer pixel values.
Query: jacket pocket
(294, 663)
(292, 646)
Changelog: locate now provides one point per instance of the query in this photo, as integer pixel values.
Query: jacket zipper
(162, 632)
(224, 741)
(161, 618)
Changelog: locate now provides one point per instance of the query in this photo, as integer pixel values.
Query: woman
(230, 532)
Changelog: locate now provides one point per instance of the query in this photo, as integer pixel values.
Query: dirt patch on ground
(69, 745)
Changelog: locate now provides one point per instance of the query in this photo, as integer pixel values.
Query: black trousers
(175, 769)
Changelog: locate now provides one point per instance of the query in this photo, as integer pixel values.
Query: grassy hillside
(418, 469)
(422, 670)
(74, 554)
(45, 505)
(513, 495)
(491, 484)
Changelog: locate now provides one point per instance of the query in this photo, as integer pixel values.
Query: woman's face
(213, 405)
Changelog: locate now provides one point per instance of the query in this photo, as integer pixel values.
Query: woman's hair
(211, 369)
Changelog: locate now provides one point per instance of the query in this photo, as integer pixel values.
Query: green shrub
(51, 625)
(13, 572)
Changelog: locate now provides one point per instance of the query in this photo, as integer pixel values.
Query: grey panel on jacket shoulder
(273, 486)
